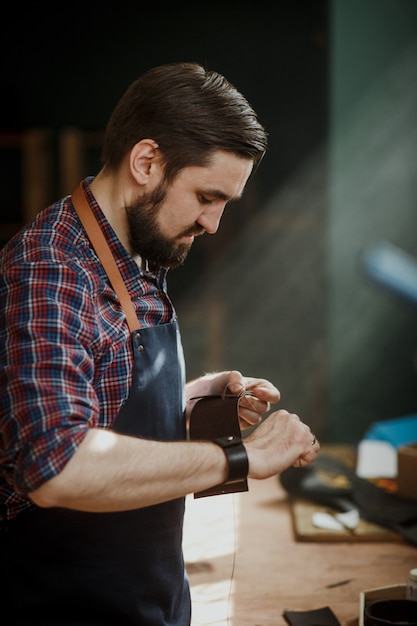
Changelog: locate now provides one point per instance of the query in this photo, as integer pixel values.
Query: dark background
(68, 66)
(278, 292)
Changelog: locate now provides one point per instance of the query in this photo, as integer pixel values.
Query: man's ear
(144, 157)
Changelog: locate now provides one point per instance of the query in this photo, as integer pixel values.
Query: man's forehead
(224, 177)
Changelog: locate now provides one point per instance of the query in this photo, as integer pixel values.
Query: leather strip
(213, 418)
(102, 249)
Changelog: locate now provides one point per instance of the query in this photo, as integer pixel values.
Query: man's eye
(205, 200)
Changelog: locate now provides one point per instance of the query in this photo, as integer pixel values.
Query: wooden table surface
(245, 566)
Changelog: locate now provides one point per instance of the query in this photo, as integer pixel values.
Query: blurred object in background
(393, 269)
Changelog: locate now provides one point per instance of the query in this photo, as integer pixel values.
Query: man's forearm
(113, 472)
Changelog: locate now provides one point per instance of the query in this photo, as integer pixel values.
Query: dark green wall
(372, 336)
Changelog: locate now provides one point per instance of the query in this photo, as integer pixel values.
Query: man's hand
(257, 394)
(280, 441)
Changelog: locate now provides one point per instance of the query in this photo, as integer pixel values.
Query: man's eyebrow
(221, 195)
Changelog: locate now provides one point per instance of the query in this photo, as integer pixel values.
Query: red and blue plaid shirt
(65, 348)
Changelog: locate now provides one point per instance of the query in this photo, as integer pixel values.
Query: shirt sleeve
(48, 331)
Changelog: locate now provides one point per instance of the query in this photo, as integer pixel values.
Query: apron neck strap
(102, 249)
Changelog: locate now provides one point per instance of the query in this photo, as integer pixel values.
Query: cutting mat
(302, 512)
(304, 530)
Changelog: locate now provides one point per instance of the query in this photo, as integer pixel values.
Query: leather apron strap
(102, 249)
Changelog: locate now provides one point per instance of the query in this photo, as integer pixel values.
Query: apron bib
(76, 569)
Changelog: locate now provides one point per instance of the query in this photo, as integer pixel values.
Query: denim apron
(71, 568)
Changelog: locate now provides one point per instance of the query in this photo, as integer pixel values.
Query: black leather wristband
(236, 455)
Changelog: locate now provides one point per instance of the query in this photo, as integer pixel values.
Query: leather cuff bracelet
(216, 419)
(237, 457)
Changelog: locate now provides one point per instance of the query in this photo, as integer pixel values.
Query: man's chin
(180, 256)
(173, 259)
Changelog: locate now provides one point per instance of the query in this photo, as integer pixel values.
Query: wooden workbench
(246, 566)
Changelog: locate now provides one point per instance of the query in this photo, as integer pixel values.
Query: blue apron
(76, 569)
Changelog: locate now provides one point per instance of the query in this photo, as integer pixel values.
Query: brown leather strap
(212, 418)
(100, 245)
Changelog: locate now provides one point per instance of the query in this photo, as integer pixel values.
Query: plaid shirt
(65, 349)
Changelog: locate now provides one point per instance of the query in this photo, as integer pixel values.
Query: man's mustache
(195, 230)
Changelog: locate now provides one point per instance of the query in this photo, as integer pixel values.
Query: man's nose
(210, 218)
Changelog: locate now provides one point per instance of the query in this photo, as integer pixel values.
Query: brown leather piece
(213, 417)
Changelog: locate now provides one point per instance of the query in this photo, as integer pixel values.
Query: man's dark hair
(189, 112)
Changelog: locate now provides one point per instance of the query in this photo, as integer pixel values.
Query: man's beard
(145, 237)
